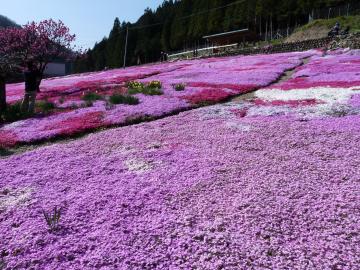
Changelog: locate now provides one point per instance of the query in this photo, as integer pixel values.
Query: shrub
(88, 103)
(45, 106)
(151, 89)
(91, 96)
(61, 100)
(135, 85)
(154, 85)
(123, 99)
(74, 106)
(146, 91)
(179, 86)
(53, 218)
(13, 113)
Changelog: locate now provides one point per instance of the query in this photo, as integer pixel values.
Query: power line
(191, 15)
(176, 19)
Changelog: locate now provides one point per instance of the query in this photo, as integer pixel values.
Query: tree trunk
(271, 27)
(266, 30)
(2, 94)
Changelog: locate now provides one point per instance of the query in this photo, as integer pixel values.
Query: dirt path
(285, 77)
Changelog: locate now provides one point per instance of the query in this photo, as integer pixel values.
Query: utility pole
(126, 44)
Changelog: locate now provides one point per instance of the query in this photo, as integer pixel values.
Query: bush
(88, 103)
(45, 106)
(61, 100)
(146, 91)
(135, 85)
(179, 86)
(154, 85)
(74, 106)
(122, 99)
(13, 113)
(151, 89)
(91, 96)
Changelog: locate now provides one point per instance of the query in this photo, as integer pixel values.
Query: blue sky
(90, 20)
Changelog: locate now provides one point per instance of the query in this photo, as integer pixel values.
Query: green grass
(152, 88)
(179, 86)
(346, 21)
(149, 91)
(13, 113)
(122, 99)
(91, 96)
(45, 106)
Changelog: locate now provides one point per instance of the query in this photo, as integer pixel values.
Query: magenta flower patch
(206, 81)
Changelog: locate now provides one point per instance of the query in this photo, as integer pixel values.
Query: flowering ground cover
(267, 181)
(206, 81)
(327, 85)
(206, 189)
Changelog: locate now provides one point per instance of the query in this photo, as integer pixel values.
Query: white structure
(55, 69)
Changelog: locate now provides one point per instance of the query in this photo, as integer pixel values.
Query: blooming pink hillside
(269, 180)
(207, 80)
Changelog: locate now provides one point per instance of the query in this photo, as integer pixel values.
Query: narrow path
(285, 77)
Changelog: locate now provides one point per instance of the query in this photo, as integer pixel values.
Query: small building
(58, 68)
(232, 37)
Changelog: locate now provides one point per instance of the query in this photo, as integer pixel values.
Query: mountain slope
(6, 22)
(320, 28)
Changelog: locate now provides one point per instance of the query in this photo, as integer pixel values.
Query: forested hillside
(6, 22)
(178, 24)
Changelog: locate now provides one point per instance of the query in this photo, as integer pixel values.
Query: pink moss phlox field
(206, 80)
(241, 185)
(206, 189)
(339, 70)
(63, 86)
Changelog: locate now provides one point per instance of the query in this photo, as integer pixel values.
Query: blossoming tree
(46, 41)
(40, 42)
(11, 44)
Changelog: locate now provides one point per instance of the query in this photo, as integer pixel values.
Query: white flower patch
(266, 111)
(11, 198)
(222, 111)
(138, 165)
(115, 149)
(326, 94)
(238, 126)
(154, 145)
(308, 112)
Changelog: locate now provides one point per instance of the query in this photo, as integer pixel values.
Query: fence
(333, 12)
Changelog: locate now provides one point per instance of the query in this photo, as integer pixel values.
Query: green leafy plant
(154, 84)
(179, 86)
(61, 100)
(91, 96)
(13, 113)
(123, 99)
(153, 88)
(146, 91)
(135, 85)
(45, 106)
(88, 103)
(74, 106)
(53, 218)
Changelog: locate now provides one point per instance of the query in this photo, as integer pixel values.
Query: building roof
(231, 37)
(227, 33)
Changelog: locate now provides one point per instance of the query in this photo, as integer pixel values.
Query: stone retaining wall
(349, 41)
